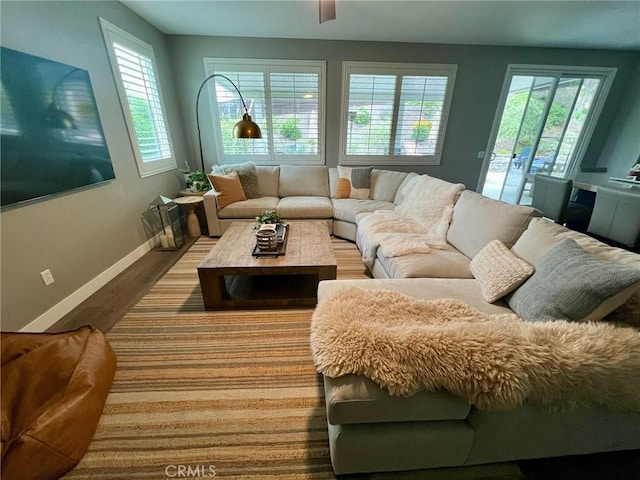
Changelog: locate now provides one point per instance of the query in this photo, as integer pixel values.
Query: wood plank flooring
(108, 305)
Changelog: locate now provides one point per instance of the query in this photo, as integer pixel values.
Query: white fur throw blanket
(496, 362)
(417, 225)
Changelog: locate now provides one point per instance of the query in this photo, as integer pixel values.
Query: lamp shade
(246, 128)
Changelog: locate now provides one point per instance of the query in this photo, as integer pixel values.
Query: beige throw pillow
(498, 270)
(354, 182)
(228, 189)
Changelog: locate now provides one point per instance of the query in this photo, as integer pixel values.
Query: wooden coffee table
(231, 278)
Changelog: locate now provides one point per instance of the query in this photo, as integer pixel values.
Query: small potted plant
(198, 182)
(269, 216)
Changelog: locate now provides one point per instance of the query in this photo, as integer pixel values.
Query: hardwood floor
(108, 305)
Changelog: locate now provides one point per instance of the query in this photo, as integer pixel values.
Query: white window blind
(285, 98)
(134, 68)
(394, 113)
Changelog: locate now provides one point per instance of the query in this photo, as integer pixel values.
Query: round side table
(193, 225)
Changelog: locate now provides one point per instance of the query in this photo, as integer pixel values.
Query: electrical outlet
(47, 277)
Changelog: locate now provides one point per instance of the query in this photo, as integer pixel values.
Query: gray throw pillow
(571, 284)
(247, 173)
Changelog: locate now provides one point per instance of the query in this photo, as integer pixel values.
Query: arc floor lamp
(245, 128)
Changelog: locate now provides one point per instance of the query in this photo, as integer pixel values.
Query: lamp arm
(204, 82)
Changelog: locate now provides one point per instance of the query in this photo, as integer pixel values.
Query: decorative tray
(282, 230)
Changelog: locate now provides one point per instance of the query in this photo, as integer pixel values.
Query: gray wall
(81, 234)
(477, 88)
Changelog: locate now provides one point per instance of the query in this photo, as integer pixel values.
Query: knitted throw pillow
(498, 270)
(571, 284)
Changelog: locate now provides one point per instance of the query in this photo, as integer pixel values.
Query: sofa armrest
(211, 212)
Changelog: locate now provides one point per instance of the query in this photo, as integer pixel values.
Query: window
(284, 97)
(394, 113)
(134, 69)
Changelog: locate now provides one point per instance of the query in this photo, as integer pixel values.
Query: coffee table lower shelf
(255, 291)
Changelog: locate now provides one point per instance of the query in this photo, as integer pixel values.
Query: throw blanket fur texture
(496, 362)
(418, 224)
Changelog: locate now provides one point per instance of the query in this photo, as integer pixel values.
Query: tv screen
(51, 138)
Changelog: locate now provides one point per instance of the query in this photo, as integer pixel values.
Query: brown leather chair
(54, 387)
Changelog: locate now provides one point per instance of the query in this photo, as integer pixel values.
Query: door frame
(607, 73)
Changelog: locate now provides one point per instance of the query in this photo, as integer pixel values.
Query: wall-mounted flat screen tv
(51, 138)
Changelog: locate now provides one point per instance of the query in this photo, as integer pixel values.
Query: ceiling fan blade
(327, 10)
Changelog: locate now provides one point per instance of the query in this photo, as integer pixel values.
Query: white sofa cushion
(305, 207)
(347, 208)
(385, 183)
(437, 264)
(303, 181)
(356, 399)
(268, 180)
(249, 208)
(464, 289)
(399, 197)
(477, 220)
(543, 234)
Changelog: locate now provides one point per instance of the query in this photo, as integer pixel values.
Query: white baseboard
(59, 310)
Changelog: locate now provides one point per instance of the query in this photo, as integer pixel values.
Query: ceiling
(550, 23)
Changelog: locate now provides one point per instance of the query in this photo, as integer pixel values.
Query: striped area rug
(227, 394)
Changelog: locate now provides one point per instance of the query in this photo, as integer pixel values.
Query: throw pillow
(247, 173)
(498, 270)
(354, 182)
(228, 189)
(571, 284)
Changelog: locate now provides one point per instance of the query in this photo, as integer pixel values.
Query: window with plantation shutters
(285, 98)
(134, 69)
(394, 113)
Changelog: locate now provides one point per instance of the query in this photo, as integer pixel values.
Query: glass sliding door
(544, 123)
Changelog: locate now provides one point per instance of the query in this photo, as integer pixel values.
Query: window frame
(112, 33)
(399, 70)
(214, 65)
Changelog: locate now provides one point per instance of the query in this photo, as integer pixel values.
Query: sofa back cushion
(303, 181)
(385, 183)
(477, 220)
(268, 180)
(333, 182)
(541, 235)
(400, 193)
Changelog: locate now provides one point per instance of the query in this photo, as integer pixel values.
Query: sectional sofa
(373, 430)
(300, 192)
